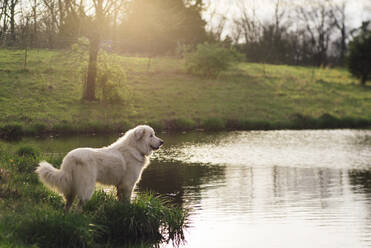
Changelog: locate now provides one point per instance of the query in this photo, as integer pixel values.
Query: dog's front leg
(124, 192)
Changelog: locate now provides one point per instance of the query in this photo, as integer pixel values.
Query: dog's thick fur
(120, 164)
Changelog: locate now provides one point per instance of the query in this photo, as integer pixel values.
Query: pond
(261, 188)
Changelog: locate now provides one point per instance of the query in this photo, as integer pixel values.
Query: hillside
(46, 96)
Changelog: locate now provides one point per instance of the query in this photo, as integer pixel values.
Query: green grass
(46, 97)
(31, 215)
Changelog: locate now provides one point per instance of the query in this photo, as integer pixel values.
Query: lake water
(261, 188)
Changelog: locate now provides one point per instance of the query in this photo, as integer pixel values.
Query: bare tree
(338, 13)
(317, 18)
(279, 14)
(12, 5)
(34, 10)
(51, 20)
(4, 18)
(217, 23)
(236, 32)
(248, 22)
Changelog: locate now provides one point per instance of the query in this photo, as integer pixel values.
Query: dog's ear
(139, 133)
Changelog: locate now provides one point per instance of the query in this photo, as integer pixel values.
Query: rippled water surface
(262, 189)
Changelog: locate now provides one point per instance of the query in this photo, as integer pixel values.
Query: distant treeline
(304, 33)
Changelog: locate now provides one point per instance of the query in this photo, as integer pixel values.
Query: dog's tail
(54, 178)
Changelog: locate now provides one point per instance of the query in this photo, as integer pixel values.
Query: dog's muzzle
(157, 147)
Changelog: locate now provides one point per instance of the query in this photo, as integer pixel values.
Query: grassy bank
(32, 215)
(45, 97)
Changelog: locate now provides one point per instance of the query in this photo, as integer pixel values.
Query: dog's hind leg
(85, 193)
(69, 200)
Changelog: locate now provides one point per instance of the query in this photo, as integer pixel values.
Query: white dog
(120, 164)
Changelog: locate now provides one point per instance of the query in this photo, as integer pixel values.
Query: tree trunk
(89, 93)
(363, 80)
(343, 45)
(34, 34)
(12, 20)
(5, 5)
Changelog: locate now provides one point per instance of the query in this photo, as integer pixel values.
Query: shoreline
(299, 122)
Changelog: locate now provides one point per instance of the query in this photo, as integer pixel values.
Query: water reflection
(181, 183)
(263, 189)
(325, 148)
(278, 189)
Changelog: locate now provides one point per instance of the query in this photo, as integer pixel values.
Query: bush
(359, 57)
(209, 60)
(111, 76)
(110, 79)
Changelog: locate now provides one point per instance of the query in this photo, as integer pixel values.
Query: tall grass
(147, 218)
(53, 228)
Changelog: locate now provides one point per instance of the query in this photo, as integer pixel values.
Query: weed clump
(147, 218)
(28, 151)
(26, 160)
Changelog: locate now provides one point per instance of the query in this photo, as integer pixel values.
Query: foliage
(209, 60)
(146, 28)
(111, 77)
(359, 57)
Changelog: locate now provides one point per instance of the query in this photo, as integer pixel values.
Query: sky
(357, 10)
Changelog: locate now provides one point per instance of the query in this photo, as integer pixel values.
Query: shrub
(209, 60)
(359, 57)
(111, 77)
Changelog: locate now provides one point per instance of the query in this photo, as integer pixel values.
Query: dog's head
(145, 139)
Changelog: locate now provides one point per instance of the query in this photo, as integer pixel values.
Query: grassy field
(33, 216)
(46, 96)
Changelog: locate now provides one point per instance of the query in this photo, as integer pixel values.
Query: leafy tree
(157, 27)
(359, 56)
